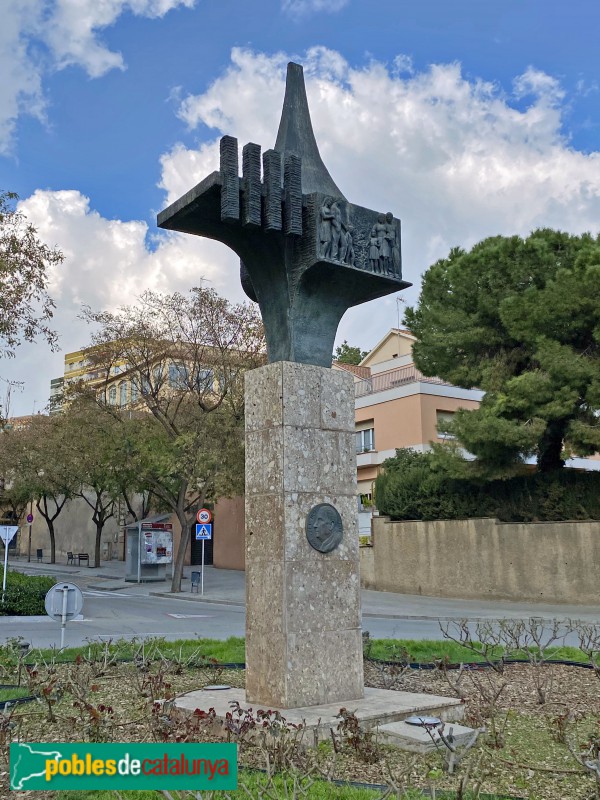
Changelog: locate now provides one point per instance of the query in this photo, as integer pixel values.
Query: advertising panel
(157, 543)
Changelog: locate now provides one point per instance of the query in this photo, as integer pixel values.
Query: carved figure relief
(324, 528)
(335, 235)
(384, 247)
(393, 267)
(325, 231)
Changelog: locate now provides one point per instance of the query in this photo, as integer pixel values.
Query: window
(112, 395)
(442, 420)
(205, 380)
(178, 376)
(365, 440)
(134, 391)
(123, 393)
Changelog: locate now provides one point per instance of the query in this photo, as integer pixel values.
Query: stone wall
(549, 562)
(367, 566)
(74, 531)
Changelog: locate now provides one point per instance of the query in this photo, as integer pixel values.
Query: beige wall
(431, 404)
(367, 566)
(552, 562)
(397, 423)
(74, 531)
(408, 421)
(392, 345)
(229, 550)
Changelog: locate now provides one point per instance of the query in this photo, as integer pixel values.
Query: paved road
(116, 615)
(115, 609)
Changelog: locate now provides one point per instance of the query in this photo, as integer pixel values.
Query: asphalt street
(115, 609)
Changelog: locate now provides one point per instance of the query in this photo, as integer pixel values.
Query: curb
(198, 598)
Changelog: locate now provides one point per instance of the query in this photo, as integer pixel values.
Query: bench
(83, 557)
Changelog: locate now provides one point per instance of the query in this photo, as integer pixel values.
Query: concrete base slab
(416, 739)
(378, 707)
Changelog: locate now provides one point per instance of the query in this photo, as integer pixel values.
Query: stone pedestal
(303, 623)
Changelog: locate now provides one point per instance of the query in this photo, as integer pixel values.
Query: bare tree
(182, 359)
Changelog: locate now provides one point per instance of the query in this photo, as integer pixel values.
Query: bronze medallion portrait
(324, 528)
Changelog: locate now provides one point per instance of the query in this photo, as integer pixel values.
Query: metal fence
(389, 380)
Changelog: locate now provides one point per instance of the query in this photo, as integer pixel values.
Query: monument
(307, 255)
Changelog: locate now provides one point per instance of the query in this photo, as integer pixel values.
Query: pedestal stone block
(303, 632)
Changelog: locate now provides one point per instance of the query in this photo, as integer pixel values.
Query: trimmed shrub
(24, 594)
(414, 486)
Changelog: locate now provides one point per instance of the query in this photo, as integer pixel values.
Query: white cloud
(108, 263)
(302, 8)
(21, 84)
(71, 30)
(454, 158)
(39, 35)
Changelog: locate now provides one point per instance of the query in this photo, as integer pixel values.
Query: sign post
(63, 602)
(29, 521)
(203, 532)
(6, 534)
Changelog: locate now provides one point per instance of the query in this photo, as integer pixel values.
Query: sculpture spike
(295, 135)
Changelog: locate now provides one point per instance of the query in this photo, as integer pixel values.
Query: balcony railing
(389, 380)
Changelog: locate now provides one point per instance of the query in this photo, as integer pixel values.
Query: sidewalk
(228, 587)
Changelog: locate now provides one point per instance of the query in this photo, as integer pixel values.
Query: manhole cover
(424, 722)
(216, 687)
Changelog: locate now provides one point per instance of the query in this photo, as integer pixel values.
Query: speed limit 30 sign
(204, 516)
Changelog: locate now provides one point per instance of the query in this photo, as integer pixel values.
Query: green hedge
(24, 594)
(414, 486)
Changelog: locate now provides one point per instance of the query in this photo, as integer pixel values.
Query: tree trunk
(50, 525)
(184, 541)
(99, 528)
(551, 445)
(43, 509)
(185, 524)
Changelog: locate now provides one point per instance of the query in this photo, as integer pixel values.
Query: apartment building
(397, 406)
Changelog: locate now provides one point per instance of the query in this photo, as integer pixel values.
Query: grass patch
(426, 651)
(254, 782)
(13, 694)
(232, 651)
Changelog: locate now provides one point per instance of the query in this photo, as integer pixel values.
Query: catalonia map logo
(52, 765)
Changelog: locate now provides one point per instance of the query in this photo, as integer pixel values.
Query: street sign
(204, 516)
(203, 532)
(63, 602)
(30, 518)
(7, 532)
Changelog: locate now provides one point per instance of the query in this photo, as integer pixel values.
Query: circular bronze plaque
(324, 528)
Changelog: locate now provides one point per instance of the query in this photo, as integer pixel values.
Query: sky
(466, 118)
